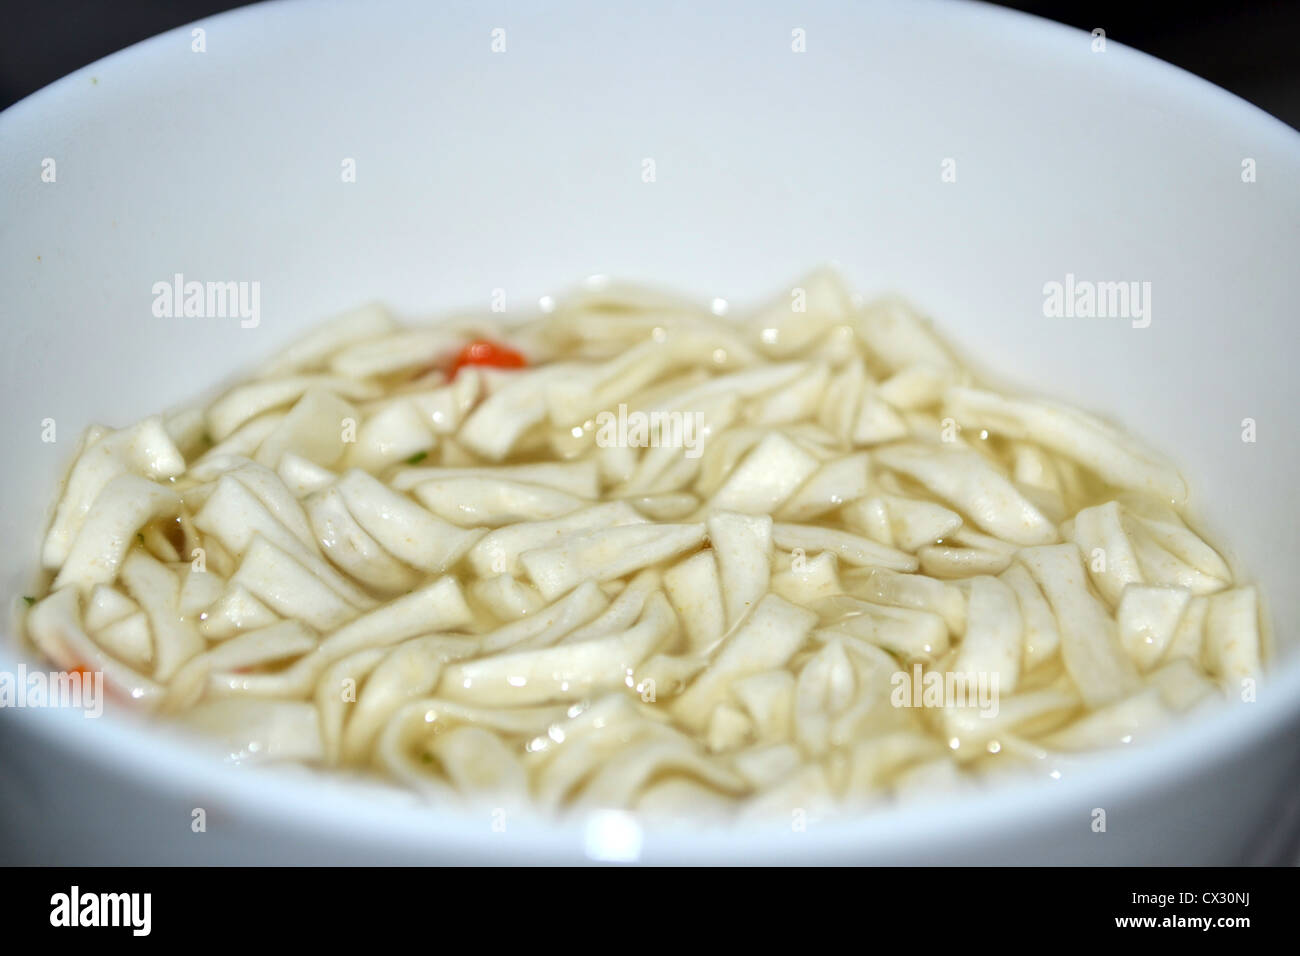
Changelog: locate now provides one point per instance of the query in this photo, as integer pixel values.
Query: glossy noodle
(640, 554)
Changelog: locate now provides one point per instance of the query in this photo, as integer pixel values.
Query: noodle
(632, 554)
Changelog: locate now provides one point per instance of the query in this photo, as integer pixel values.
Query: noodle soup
(637, 553)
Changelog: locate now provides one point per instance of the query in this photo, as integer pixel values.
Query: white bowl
(522, 171)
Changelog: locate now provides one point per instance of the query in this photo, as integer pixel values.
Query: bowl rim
(159, 758)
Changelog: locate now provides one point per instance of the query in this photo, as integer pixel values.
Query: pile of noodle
(354, 559)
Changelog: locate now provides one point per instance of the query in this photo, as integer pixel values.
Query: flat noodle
(634, 554)
(1113, 455)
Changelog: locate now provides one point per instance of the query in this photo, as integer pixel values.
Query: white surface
(522, 171)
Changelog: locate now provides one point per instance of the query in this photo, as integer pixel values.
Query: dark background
(1250, 48)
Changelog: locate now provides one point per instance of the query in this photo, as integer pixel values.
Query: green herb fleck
(418, 457)
(30, 600)
(140, 538)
